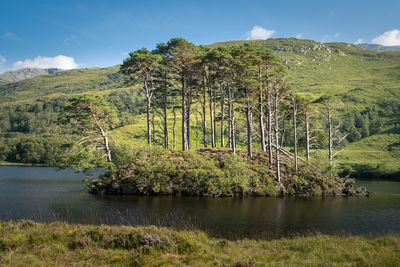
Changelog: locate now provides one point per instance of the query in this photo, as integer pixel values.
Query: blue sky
(100, 33)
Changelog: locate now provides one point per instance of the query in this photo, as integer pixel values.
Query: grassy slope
(383, 148)
(317, 68)
(59, 244)
(360, 78)
(60, 84)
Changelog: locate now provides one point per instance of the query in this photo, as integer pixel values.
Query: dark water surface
(45, 194)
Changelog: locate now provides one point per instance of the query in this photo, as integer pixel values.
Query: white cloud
(388, 38)
(359, 41)
(299, 35)
(60, 61)
(336, 35)
(259, 33)
(2, 61)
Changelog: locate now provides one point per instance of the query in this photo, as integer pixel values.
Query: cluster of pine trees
(247, 78)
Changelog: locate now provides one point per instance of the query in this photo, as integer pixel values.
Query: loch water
(46, 194)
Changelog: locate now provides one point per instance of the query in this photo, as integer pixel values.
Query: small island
(244, 82)
(216, 172)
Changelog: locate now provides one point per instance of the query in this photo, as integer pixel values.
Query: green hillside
(364, 80)
(62, 83)
(359, 77)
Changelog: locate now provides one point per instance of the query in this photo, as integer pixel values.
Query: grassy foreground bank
(25, 243)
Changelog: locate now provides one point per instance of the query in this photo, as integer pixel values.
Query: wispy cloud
(326, 38)
(359, 41)
(68, 40)
(11, 36)
(388, 38)
(2, 61)
(330, 38)
(259, 32)
(60, 61)
(299, 35)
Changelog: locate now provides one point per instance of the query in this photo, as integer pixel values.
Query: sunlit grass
(59, 244)
(376, 149)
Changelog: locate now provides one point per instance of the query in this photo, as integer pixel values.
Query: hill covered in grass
(65, 83)
(357, 76)
(367, 82)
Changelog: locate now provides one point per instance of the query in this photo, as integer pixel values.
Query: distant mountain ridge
(380, 48)
(26, 73)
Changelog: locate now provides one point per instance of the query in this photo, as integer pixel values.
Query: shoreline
(18, 164)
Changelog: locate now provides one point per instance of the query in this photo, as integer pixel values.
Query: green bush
(207, 172)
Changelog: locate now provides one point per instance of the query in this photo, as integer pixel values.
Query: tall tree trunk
(294, 132)
(152, 125)
(222, 115)
(184, 145)
(165, 104)
(197, 133)
(188, 112)
(188, 109)
(215, 122)
(148, 120)
(204, 114)
(148, 98)
(269, 126)
(233, 134)
(307, 134)
(276, 130)
(174, 127)
(106, 146)
(261, 119)
(229, 118)
(211, 115)
(283, 131)
(249, 119)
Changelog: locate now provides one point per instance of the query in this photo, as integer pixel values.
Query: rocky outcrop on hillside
(27, 73)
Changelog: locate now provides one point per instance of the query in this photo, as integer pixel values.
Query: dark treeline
(40, 116)
(29, 132)
(362, 124)
(44, 149)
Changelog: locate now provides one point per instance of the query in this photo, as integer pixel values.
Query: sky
(98, 33)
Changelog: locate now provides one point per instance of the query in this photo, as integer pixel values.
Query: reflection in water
(44, 194)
